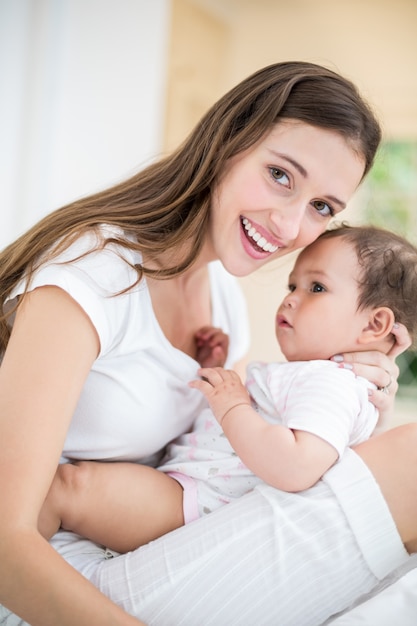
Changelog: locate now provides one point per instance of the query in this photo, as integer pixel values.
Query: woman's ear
(380, 323)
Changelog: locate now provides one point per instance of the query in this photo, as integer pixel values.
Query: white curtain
(82, 86)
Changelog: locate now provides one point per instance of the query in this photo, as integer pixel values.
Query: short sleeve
(92, 277)
(316, 397)
(326, 403)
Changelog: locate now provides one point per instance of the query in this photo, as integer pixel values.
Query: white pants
(269, 559)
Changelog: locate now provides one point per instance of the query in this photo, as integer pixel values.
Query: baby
(290, 422)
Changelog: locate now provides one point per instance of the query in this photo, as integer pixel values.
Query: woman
(110, 292)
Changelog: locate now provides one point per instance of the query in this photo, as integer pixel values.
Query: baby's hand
(212, 346)
(223, 390)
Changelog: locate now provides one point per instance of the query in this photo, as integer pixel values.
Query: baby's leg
(119, 505)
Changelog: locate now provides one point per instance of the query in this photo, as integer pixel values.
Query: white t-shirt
(317, 397)
(136, 398)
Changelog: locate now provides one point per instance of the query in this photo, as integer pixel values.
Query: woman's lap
(269, 558)
(393, 601)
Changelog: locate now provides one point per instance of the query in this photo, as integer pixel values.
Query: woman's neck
(175, 258)
(182, 305)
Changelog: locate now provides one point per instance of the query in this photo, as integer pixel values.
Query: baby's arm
(212, 346)
(119, 505)
(291, 460)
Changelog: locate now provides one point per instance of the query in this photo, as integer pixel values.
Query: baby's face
(319, 317)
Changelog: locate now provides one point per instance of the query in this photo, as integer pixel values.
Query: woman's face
(280, 195)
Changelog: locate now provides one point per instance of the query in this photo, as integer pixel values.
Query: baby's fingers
(201, 385)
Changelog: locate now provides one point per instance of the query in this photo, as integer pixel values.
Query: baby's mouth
(257, 240)
(282, 322)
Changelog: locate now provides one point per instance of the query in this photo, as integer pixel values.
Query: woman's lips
(261, 241)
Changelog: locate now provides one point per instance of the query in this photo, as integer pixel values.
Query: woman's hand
(379, 369)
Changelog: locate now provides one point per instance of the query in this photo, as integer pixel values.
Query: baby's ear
(380, 323)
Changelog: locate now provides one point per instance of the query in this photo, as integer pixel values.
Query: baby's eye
(317, 288)
(279, 176)
(323, 208)
(291, 287)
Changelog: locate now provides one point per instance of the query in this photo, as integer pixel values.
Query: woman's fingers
(376, 367)
(402, 340)
(381, 370)
(385, 406)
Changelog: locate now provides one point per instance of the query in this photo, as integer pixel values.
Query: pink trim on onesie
(189, 502)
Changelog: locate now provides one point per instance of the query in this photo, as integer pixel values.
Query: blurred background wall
(91, 90)
(216, 43)
(82, 99)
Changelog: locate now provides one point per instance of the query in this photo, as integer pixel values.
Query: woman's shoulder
(98, 241)
(101, 254)
(93, 268)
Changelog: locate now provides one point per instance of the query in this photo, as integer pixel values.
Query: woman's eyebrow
(304, 174)
(337, 201)
(294, 163)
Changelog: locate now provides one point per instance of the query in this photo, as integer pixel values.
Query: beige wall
(216, 43)
(374, 42)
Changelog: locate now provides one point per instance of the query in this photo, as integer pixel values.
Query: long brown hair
(167, 204)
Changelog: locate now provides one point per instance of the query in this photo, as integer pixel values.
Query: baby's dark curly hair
(389, 271)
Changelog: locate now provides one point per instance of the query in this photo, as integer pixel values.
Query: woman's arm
(51, 350)
(291, 460)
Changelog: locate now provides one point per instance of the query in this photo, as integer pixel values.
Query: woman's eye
(279, 176)
(317, 288)
(323, 208)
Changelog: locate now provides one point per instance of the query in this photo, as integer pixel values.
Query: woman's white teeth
(260, 241)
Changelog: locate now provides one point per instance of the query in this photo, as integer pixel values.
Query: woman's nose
(288, 220)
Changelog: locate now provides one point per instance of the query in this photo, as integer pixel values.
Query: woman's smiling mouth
(257, 240)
